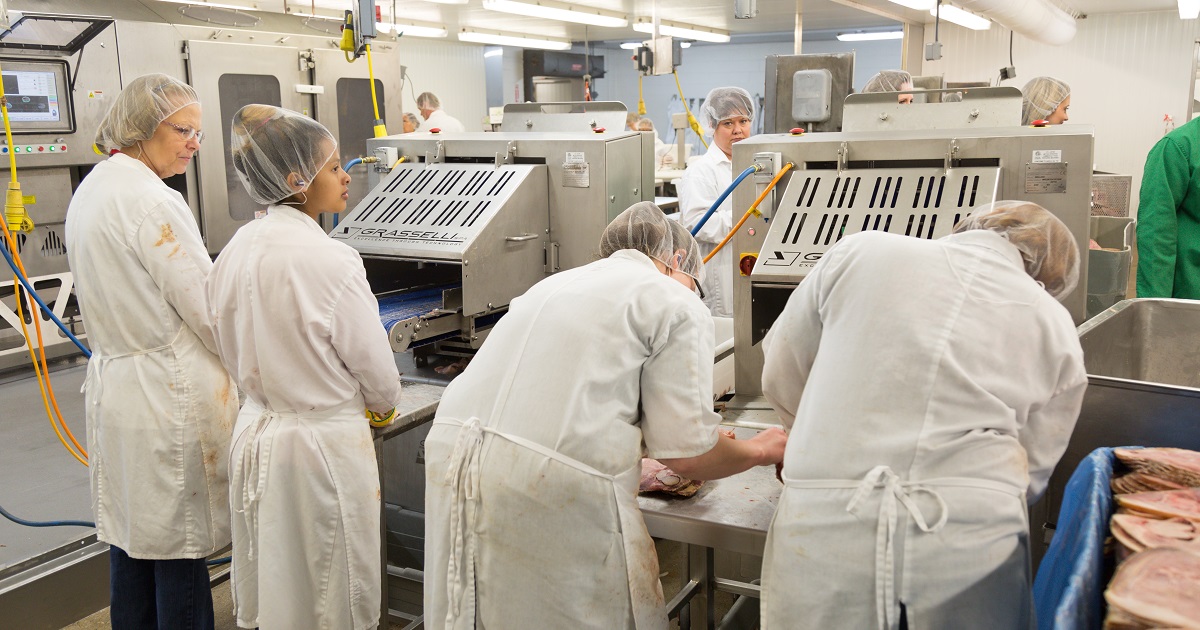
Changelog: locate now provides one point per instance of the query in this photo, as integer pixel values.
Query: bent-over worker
(930, 388)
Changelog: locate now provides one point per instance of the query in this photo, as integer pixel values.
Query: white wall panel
(1125, 70)
(452, 71)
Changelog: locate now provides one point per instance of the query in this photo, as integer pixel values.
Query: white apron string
(256, 459)
(887, 605)
(463, 479)
(97, 362)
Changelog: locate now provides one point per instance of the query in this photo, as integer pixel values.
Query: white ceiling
(774, 16)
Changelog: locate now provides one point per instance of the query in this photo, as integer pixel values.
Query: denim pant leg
(184, 595)
(131, 595)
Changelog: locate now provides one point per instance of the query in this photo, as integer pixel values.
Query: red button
(436, 130)
(63, 148)
(797, 131)
(599, 130)
(1040, 123)
(746, 264)
(41, 148)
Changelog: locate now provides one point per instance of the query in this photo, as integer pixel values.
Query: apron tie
(255, 464)
(887, 607)
(463, 479)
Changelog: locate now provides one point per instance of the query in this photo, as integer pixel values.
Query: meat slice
(1177, 465)
(658, 478)
(1142, 482)
(1166, 504)
(1139, 532)
(1155, 588)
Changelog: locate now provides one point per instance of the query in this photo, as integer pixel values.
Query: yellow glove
(381, 419)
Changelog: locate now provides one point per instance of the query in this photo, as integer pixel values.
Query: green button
(16, 149)
(29, 149)
(51, 148)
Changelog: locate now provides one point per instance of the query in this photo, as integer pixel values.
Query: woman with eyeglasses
(160, 407)
(533, 461)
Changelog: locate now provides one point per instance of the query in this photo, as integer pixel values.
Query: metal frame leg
(384, 619)
(701, 612)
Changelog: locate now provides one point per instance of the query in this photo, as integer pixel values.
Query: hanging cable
(641, 101)
(695, 124)
(28, 523)
(716, 204)
(380, 128)
(753, 210)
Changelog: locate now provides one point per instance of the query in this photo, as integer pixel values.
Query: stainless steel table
(731, 514)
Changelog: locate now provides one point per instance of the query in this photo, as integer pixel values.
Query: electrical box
(368, 15)
(666, 54)
(812, 95)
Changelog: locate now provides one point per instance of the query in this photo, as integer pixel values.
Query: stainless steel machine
(469, 221)
(900, 169)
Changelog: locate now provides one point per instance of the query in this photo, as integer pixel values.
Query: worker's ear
(296, 181)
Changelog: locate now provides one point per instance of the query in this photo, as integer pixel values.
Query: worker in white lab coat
(533, 462)
(930, 388)
(160, 407)
(298, 328)
(728, 112)
(434, 117)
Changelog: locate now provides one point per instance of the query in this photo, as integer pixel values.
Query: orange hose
(754, 208)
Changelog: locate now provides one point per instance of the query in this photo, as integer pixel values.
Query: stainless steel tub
(1143, 364)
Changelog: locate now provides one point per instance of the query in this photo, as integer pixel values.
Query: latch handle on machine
(520, 239)
(951, 152)
(843, 156)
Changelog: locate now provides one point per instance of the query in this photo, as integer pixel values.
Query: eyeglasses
(187, 132)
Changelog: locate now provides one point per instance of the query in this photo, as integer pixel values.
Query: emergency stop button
(746, 263)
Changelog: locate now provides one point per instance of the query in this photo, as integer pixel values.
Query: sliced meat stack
(1157, 469)
(1157, 588)
(1183, 503)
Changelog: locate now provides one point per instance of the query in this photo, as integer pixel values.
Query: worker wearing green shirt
(1168, 233)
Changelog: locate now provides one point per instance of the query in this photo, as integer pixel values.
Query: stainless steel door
(227, 76)
(344, 106)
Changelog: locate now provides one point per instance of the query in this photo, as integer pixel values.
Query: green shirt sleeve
(1165, 183)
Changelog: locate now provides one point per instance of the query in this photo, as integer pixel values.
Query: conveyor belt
(397, 308)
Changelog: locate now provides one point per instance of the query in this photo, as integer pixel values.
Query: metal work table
(418, 403)
(731, 514)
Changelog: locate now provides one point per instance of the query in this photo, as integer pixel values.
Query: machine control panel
(34, 148)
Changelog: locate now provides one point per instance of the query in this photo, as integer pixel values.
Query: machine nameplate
(1047, 156)
(1046, 178)
(576, 175)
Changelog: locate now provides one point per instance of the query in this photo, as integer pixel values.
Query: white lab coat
(704, 180)
(533, 462)
(298, 327)
(441, 120)
(930, 386)
(159, 406)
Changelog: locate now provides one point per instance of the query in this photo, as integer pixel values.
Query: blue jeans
(159, 594)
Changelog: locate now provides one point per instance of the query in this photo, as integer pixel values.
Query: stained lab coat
(159, 406)
(298, 327)
(703, 181)
(533, 461)
(930, 386)
(441, 120)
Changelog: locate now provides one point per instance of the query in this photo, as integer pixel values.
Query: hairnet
(645, 228)
(888, 81)
(645, 122)
(725, 102)
(412, 118)
(428, 100)
(268, 143)
(1047, 247)
(140, 108)
(1040, 97)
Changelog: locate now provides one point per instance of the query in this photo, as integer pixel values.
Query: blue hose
(28, 287)
(349, 165)
(716, 204)
(21, 521)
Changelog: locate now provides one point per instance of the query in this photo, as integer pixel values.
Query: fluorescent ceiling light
(304, 14)
(636, 45)
(682, 31)
(411, 29)
(868, 37)
(449, 1)
(215, 5)
(1189, 9)
(920, 5)
(512, 39)
(552, 10)
(954, 14)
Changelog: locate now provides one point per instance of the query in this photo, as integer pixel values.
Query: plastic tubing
(27, 523)
(754, 208)
(721, 199)
(57, 322)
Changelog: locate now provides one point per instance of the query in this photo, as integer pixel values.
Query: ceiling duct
(1039, 20)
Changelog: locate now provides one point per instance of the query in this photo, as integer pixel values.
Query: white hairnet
(1047, 247)
(140, 108)
(1040, 97)
(269, 143)
(428, 100)
(644, 227)
(725, 102)
(888, 81)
